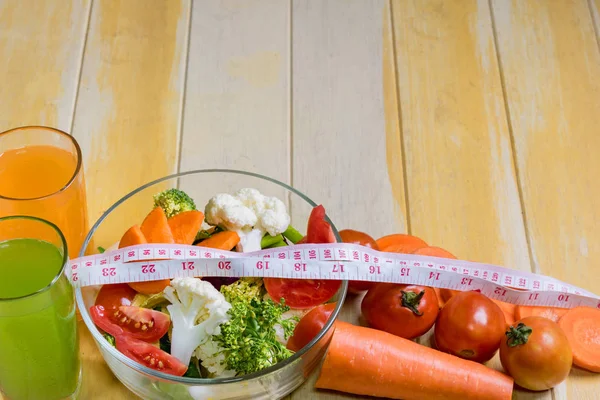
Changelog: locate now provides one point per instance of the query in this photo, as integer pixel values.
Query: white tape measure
(337, 261)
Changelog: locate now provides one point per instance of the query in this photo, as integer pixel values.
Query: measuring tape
(335, 261)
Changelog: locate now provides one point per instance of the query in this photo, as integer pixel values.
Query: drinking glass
(39, 344)
(41, 175)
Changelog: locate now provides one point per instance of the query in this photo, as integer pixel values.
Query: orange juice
(46, 182)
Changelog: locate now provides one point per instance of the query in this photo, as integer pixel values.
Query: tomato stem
(411, 301)
(519, 335)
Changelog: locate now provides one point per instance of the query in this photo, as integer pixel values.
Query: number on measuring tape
(338, 268)
(404, 271)
(300, 267)
(262, 265)
(75, 278)
(500, 291)
(466, 281)
(563, 298)
(188, 265)
(109, 271)
(375, 269)
(533, 296)
(224, 265)
(434, 276)
(148, 269)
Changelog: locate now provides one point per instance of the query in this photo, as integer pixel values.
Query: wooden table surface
(473, 124)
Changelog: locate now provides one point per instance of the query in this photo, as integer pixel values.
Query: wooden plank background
(470, 123)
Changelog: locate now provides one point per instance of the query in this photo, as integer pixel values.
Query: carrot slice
(132, 237)
(184, 226)
(552, 313)
(433, 251)
(509, 311)
(225, 240)
(400, 243)
(370, 362)
(582, 327)
(156, 227)
(443, 295)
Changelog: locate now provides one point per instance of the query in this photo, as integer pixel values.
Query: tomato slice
(319, 230)
(136, 322)
(307, 293)
(309, 326)
(115, 295)
(301, 293)
(150, 356)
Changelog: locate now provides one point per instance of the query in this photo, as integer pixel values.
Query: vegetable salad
(213, 327)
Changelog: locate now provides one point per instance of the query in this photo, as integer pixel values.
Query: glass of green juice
(39, 344)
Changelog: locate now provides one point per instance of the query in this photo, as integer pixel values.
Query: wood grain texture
(127, 120)
(130, 101)
(41, 44)
(461, 184)
(338, 115)
(237, 107)
(551, 64)
(345, 131)
(595, 10)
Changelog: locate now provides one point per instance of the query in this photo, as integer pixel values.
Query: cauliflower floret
(197, 310)
(250, 214)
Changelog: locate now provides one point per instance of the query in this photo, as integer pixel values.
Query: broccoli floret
(249, 337)
(174, 201)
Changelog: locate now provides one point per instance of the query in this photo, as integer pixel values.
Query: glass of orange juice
(41, 175)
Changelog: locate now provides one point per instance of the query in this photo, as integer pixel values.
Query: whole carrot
(369, 362)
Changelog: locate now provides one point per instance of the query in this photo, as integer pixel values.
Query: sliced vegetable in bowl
(218, 327)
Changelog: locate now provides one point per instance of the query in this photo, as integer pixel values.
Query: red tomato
(136, 322)
(306, 293)
(301, 293)
(361, 238)
(407, 311)
(319, 230)
(536, 353)
(309, 326)
(150, 356)
(470, 326)
(115, 295)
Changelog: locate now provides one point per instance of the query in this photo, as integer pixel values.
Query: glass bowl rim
(202, 381)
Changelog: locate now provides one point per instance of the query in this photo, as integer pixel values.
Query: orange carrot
(184, 226)
(582, 327)
(443, 295)
(400, 243)
(370, 362)
(509, 311)
(552, 313)
(225, 240)
(156, 227)
(433, 251)
(132, 237)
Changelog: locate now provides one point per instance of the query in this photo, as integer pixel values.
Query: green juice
(38, 334)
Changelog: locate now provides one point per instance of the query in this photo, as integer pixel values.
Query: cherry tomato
(536, 353)
(307, 293)
(361, 238)
(470, 326)
(407, 311)
(136, 322)
(115, 295)
(301, 293)
(150, 356)
(309, 326)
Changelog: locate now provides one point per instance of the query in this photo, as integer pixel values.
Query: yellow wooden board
(551, 70)
(470, 123)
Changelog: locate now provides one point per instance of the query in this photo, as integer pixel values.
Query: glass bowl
(272, 383)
